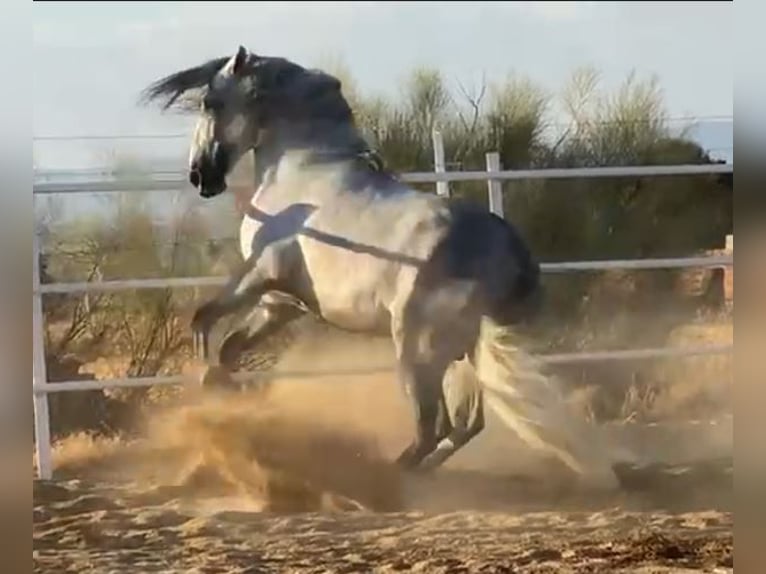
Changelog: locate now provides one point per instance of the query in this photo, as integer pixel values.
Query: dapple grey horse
(331, 232)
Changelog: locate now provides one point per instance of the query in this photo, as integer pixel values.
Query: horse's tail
(533, 406)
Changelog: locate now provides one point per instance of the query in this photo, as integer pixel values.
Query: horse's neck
(275, 164)
(319, 135)
(318, 139)
(265, 158)
(287, 148)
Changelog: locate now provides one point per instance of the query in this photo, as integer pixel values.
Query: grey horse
(330, 231)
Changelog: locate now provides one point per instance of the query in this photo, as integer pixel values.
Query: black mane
(299, 107)
(171, 87)
(283, 85)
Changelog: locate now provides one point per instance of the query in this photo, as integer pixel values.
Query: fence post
(728, 273)
(495, 186)
(442, 187)
(39, 371)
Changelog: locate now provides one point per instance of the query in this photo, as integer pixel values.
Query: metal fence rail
(551, 359)
(494, 174)
(716, 261)
(173, 182)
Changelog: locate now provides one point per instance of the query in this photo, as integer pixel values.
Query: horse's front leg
(244, 290)
(270, 316)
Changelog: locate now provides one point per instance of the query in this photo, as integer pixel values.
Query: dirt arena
(298, 481)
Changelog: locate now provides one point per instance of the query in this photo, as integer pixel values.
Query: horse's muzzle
(210, 182)
(195, 177)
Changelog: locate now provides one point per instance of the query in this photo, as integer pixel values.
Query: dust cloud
(326, 442)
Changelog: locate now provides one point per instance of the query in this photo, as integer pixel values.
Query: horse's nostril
(194, 177)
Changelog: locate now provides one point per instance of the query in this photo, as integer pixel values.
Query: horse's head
(226, 126)
(244, 99)
(222, 94)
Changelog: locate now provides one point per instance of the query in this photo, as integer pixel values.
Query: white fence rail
(494, 175)
(174, 182)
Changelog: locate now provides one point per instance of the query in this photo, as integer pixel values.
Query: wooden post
(442, 187)
(494, 186)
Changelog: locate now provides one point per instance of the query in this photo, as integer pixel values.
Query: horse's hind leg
(425, 352)
(465, 404)
(422, 383)
(440, 329)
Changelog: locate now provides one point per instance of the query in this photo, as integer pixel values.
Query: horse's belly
(356, 316)
(353, 292)
(352, 307)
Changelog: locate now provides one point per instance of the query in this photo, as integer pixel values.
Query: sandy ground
(299, 481)
(86, 528)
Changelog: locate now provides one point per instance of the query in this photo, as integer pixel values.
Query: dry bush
(134, 333)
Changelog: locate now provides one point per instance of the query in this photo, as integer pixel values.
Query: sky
(91, 59)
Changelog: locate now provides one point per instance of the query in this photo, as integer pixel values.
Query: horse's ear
(239, 60)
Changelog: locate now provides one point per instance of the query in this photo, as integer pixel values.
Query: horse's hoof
(410, 462)
(218, 378)
(428, 465)
(407, 466)
(406, 460)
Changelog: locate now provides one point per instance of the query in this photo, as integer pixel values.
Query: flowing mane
(296, 107)
(286, 88)
(172, 87)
